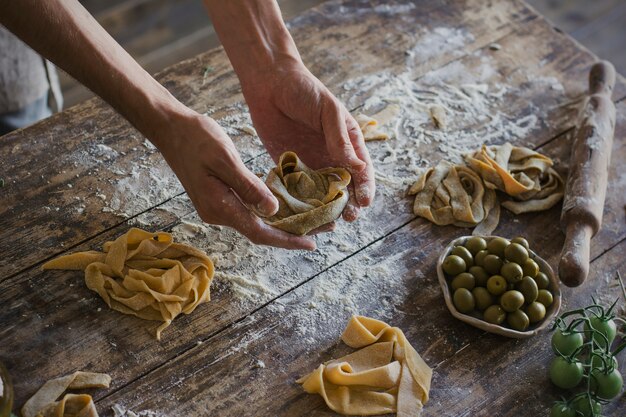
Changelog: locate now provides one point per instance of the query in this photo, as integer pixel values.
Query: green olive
(512, 272)
(516, 253)
(475, 244)
(535, 312)
(528, 287)
(496, 285)
(511, 300)
(520, 240)
(494, 314)
(542, 280)
(480, 275)
(530, 268)
(479, 259)
(482, 297)
(492, 264)
(545, 297)
(518, 320)
(497, 245)
(464, 280)
(453, 265)
(476, 314)
(463, 253)
(463, 300)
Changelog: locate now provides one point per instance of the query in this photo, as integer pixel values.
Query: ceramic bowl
(551, 311)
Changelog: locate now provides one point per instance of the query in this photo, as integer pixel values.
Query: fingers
(323, 229)
(364, 184)
(251, 189)
(336, 134)
(351, 212)
(222, 206)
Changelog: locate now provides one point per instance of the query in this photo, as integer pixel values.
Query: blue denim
(30, 114)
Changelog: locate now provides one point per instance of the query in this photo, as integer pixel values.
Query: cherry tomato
(596, 362)
(561, 409)
(606, 386)
(566, 374)
(605, 326)
(566, 343)
(586, 406)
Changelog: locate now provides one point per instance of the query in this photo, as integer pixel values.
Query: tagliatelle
(307, 198)
(145, 274)
(370, 125)
(385, 376)
(454, 194)
(523, 174)
(465, 195)
(44, 403)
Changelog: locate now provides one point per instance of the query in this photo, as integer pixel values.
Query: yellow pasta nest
(145, 274)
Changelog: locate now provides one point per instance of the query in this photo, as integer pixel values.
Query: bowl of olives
(498, 285)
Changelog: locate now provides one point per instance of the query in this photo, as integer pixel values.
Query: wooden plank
(255, 362)
(40, 308)
(513, 374)
(159, 33)
(64, 313)
(88, 138)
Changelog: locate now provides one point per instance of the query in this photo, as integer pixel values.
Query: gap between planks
(262, 306)
(169, 225)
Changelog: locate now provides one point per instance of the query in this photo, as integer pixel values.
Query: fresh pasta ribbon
(521, 173)
(386, 374)
(454, 194)
(307, 198)
(466, 195)
(44, 403)
(145, 274)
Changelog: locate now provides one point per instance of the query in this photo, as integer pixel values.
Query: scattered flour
(438, 41)
(236, 121)
(139, 189)
(121, 411)
(474, 108)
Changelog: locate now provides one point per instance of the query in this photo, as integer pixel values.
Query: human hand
(221, 188)
(293, 111)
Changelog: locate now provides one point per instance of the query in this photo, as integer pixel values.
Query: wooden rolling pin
(588, 174)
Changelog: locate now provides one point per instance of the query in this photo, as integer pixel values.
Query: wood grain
(73, 137)
(208, 362)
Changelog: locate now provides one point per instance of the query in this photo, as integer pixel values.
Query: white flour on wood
(121, 411)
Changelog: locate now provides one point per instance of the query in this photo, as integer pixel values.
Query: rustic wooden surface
(240, 356)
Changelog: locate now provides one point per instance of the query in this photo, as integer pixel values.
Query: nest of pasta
(465, 195)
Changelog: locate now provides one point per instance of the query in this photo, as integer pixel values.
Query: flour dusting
(121, 411)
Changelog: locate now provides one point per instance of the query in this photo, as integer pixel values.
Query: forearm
(254, 36)
(65, 33)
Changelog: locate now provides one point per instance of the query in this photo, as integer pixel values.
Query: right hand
(220, 186)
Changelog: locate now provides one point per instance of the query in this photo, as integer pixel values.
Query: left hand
(293, 111)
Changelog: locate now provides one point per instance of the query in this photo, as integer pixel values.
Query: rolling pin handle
(602, 79)
(574, 264)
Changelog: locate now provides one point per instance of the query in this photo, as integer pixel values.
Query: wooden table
(85, 176)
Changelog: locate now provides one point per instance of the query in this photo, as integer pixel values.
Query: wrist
(255, 38)
(161, 120)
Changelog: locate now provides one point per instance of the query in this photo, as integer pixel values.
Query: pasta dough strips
(385, 376)
(466, 195)
(145, 274)
(307, 198)
(44, 403)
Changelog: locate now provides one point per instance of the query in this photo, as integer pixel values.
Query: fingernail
(268, 206)
(350, 213)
